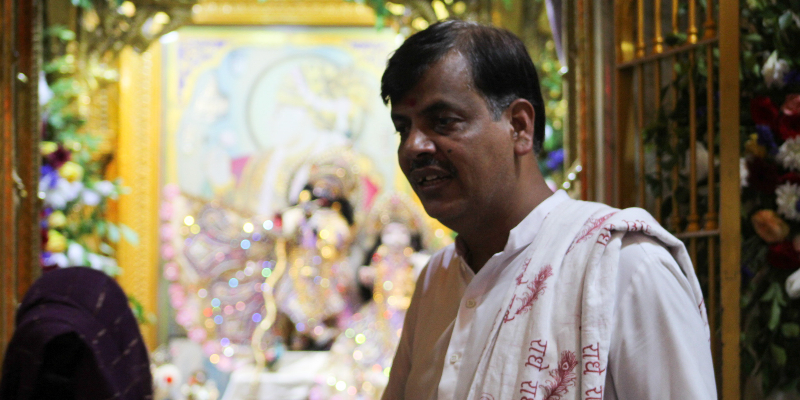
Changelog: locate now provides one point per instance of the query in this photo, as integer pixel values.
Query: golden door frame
(138, 120)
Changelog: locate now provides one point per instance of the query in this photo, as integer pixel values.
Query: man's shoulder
(442, 258)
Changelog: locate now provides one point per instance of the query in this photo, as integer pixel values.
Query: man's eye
(401, 130)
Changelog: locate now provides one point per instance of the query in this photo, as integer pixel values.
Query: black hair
(501, 67)
(346, 209)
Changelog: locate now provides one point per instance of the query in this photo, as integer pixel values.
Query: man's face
(458, 159)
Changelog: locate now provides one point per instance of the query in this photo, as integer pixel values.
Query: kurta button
(471, 303)
(453, 358)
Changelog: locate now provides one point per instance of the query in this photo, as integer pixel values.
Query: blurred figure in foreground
(76, 338)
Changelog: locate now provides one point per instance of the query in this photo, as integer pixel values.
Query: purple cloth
(76, 335)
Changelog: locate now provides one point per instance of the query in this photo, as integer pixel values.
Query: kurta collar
(525, 232)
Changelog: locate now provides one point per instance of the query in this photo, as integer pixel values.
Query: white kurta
(657, 351)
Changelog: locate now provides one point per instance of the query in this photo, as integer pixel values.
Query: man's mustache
(432, 162)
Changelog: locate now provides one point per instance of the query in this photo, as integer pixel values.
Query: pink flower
(791, 106)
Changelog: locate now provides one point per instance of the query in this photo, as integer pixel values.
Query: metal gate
(660, 119)
(676, 147)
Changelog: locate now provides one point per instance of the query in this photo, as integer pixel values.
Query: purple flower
(49, 178)
(767, 139)
(555, 159)
(792, 77)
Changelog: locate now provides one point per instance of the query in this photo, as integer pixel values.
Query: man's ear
(522, 117)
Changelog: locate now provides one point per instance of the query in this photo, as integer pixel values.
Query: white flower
(103, 263)
(793, 285)
(76, 254)
(787, 196)
(774, 70)
(90, 197)
(45, 94)
(59, 259)
(744, 173)
(64, 192)
(789, 154)
(105, 188)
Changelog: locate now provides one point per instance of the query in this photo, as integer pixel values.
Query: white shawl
(551, 341)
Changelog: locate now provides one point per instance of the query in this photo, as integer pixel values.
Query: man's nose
(418, 143)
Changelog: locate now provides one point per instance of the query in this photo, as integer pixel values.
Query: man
(541, 296)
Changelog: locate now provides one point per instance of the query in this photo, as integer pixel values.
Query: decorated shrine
(232, 165)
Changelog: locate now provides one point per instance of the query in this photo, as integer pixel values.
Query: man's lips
(429, 176)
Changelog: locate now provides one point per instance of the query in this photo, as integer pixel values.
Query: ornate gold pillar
(139, 166)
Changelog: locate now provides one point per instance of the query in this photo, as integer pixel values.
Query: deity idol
(317, 291)
(362, 355)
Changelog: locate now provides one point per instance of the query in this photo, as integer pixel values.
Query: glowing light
(245, 244)
(419, 24)
(350, 333)
(318, 330)
(256, 317)
(268, 225)
(228, 351)
(189, 220)
(218, 320)
(571, 176)
(387, 285)
(352, 390)
(228, 310)
(240, 306)
(127, 9)
(306, 271)
(324, 234)
(208, 312)
(214, 358)
(325, 283)
(386, 371)
(340, 386)
(215, 302)
(331, 380)
(360, 338)
(209, 323)
(248, 227)
(202, 293)
(233, 282)
(439, 233)
(195, 229)
(161, 18)
(357, 355)
(266, 272)
(578, 168)
(224, 342)
(300, 327)
(326, 252)
(566, 185)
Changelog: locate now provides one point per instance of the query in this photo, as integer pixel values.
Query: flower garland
(770, 171)
(74, 191)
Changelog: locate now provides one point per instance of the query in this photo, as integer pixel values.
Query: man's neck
(490, 237)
